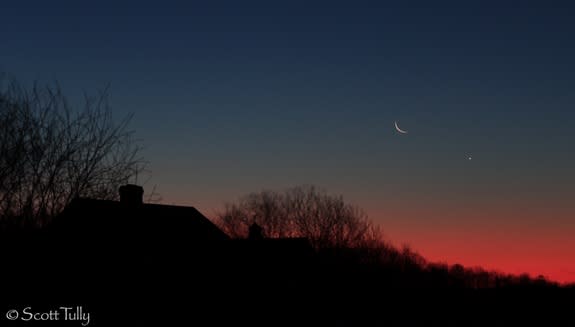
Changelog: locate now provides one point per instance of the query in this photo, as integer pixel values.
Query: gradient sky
(235, 97)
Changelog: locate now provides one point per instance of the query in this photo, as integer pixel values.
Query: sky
(235, 97)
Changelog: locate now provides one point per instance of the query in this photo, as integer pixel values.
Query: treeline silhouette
(326, 220)
(341, 231)
(146, 278)
(131, 271)
(364, 279)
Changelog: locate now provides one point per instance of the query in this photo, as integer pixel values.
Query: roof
(105, 217)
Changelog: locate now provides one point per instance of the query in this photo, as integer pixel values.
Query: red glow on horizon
(512, 246)
(514, 238)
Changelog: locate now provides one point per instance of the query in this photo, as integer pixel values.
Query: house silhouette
(127, 256)
(170, 230)
(129, 236)
(130, 218)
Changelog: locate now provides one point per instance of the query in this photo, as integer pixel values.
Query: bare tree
(51, 153)
(302, 211)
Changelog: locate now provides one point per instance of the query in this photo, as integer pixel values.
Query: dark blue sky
(232, 97)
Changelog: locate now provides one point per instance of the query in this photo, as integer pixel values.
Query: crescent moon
(399, 129)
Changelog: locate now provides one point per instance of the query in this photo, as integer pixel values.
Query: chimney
(131, 194)
(256, 232)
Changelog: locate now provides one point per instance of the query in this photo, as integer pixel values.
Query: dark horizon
(83, 217)
(129, 261)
